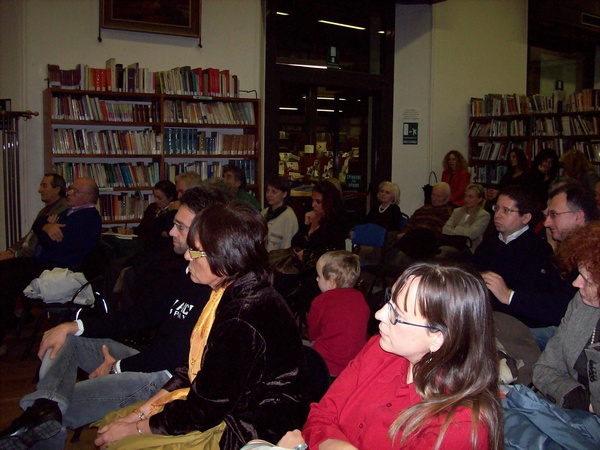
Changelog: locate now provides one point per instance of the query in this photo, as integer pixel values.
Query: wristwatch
(301, 447)
(113, 368)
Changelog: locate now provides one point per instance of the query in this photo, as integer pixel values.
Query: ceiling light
(342, 25)
(310, 66)
(280, 13)
(288, 108)
(328, 110)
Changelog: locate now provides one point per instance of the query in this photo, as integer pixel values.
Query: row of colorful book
(566, 126)
(124, 206)
(117, 77)
(80, 141)
(217, 113)
(112, 175)
(91, 108)
(514, 104)
(488, 174)
(497, 128)
(211, 169)
(191, 141)
(494, 150)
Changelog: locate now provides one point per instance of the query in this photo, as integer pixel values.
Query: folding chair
(368, 235)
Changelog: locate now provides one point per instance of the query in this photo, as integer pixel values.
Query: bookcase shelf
(128, 141)
(491, 139)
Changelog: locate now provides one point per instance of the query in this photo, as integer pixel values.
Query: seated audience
(153, 230)
(470, 220)
(120, 375)
(428, 380)
(569, 207)
(237, 178)
(281, 219)
(337, 320)
(183, 182)
(578, 166)
(244, 378)
(566, 373)
(422, 235)
(52, 192)
(544, 171)
(455, 173)
(517, 265)
(388, 214)
(63, 240)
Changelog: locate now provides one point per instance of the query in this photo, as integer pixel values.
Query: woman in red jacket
(456, 175)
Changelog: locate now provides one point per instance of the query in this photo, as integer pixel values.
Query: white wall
(64, 32)
(467, 48)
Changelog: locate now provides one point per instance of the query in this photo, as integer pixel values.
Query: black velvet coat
(252, 375)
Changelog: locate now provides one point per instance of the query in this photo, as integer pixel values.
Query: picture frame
(173, 17)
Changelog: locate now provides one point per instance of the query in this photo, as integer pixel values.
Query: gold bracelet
(140, 414)
(137, 427)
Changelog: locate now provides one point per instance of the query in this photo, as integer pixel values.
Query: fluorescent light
(342, 25)
(328, 110)
(288, 108)
(381, 32)
(310, 66)
(280, 13)
(329, 98)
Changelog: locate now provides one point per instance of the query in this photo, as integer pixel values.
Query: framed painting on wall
(176, 17)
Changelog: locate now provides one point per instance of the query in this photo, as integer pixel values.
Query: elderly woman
(428, 380)
(244, 378)
(567, 371)
(388, 213)
(470, 220)
(455, 173)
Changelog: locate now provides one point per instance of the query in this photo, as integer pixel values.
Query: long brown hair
(463, 372)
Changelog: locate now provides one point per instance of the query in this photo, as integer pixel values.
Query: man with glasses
(570, 206)
(119, 374)
(517, 265)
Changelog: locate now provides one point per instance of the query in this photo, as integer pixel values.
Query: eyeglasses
(506, 211)
(393, 314)
(180, 227)
(553, 214)
(195, 254)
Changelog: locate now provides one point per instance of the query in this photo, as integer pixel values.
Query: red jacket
(458, 184)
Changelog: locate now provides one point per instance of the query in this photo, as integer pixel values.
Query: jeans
(90, 400)
(543, 335)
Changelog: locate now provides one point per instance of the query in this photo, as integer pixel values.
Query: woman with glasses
(245, 376)
(470, 220)
(428, 380)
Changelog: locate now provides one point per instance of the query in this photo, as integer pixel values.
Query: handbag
(284, 261)
(428, 188)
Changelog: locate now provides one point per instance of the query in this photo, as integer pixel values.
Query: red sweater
(337, 323)
(458, 184)
(367, 397)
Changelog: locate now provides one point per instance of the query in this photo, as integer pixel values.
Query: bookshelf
(128, 141)
(500, 123)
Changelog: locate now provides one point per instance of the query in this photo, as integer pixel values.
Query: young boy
(337, 320)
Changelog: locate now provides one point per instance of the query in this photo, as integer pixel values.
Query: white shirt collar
(512, 237)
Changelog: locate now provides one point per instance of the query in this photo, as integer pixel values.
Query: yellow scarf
(197, 344)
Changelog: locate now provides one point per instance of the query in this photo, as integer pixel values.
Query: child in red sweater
(337, 320)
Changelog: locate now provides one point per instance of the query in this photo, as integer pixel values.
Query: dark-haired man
(237, 178)
(119, 374)
(517, 265)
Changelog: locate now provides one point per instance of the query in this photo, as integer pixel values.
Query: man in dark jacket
(119, 375)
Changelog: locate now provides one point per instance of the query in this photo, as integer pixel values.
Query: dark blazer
(252, 375)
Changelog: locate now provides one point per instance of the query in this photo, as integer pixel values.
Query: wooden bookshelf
(129, 141)
(500, 123)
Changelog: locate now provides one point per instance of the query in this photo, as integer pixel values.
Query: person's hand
(53, 230)
(55, 338)
(298, 252)
(52, 219)
(399, 236)
(104, 368)
(6, 254)
(117, 430)
(125, 230)
(592, 409)
(291, 439)
(310, 217)
(495, 283)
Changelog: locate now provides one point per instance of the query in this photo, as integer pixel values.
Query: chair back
(369, 234)
(404, 221)
(318, 378)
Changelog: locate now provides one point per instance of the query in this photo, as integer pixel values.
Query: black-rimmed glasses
(394, 317)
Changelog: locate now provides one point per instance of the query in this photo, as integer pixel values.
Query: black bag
(428, 188)
(284, 261)
(461, 243)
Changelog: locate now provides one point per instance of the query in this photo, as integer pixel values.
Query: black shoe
(40, 421)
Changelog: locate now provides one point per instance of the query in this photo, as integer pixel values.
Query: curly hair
(576, 163)
(463, 372)
(581, 247)
(461, 162)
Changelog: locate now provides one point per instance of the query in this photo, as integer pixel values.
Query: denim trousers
(90, 400)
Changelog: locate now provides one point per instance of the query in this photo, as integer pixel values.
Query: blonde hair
(394, 188)
(341, 267)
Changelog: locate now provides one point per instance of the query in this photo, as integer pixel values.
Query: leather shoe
(40, 421)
